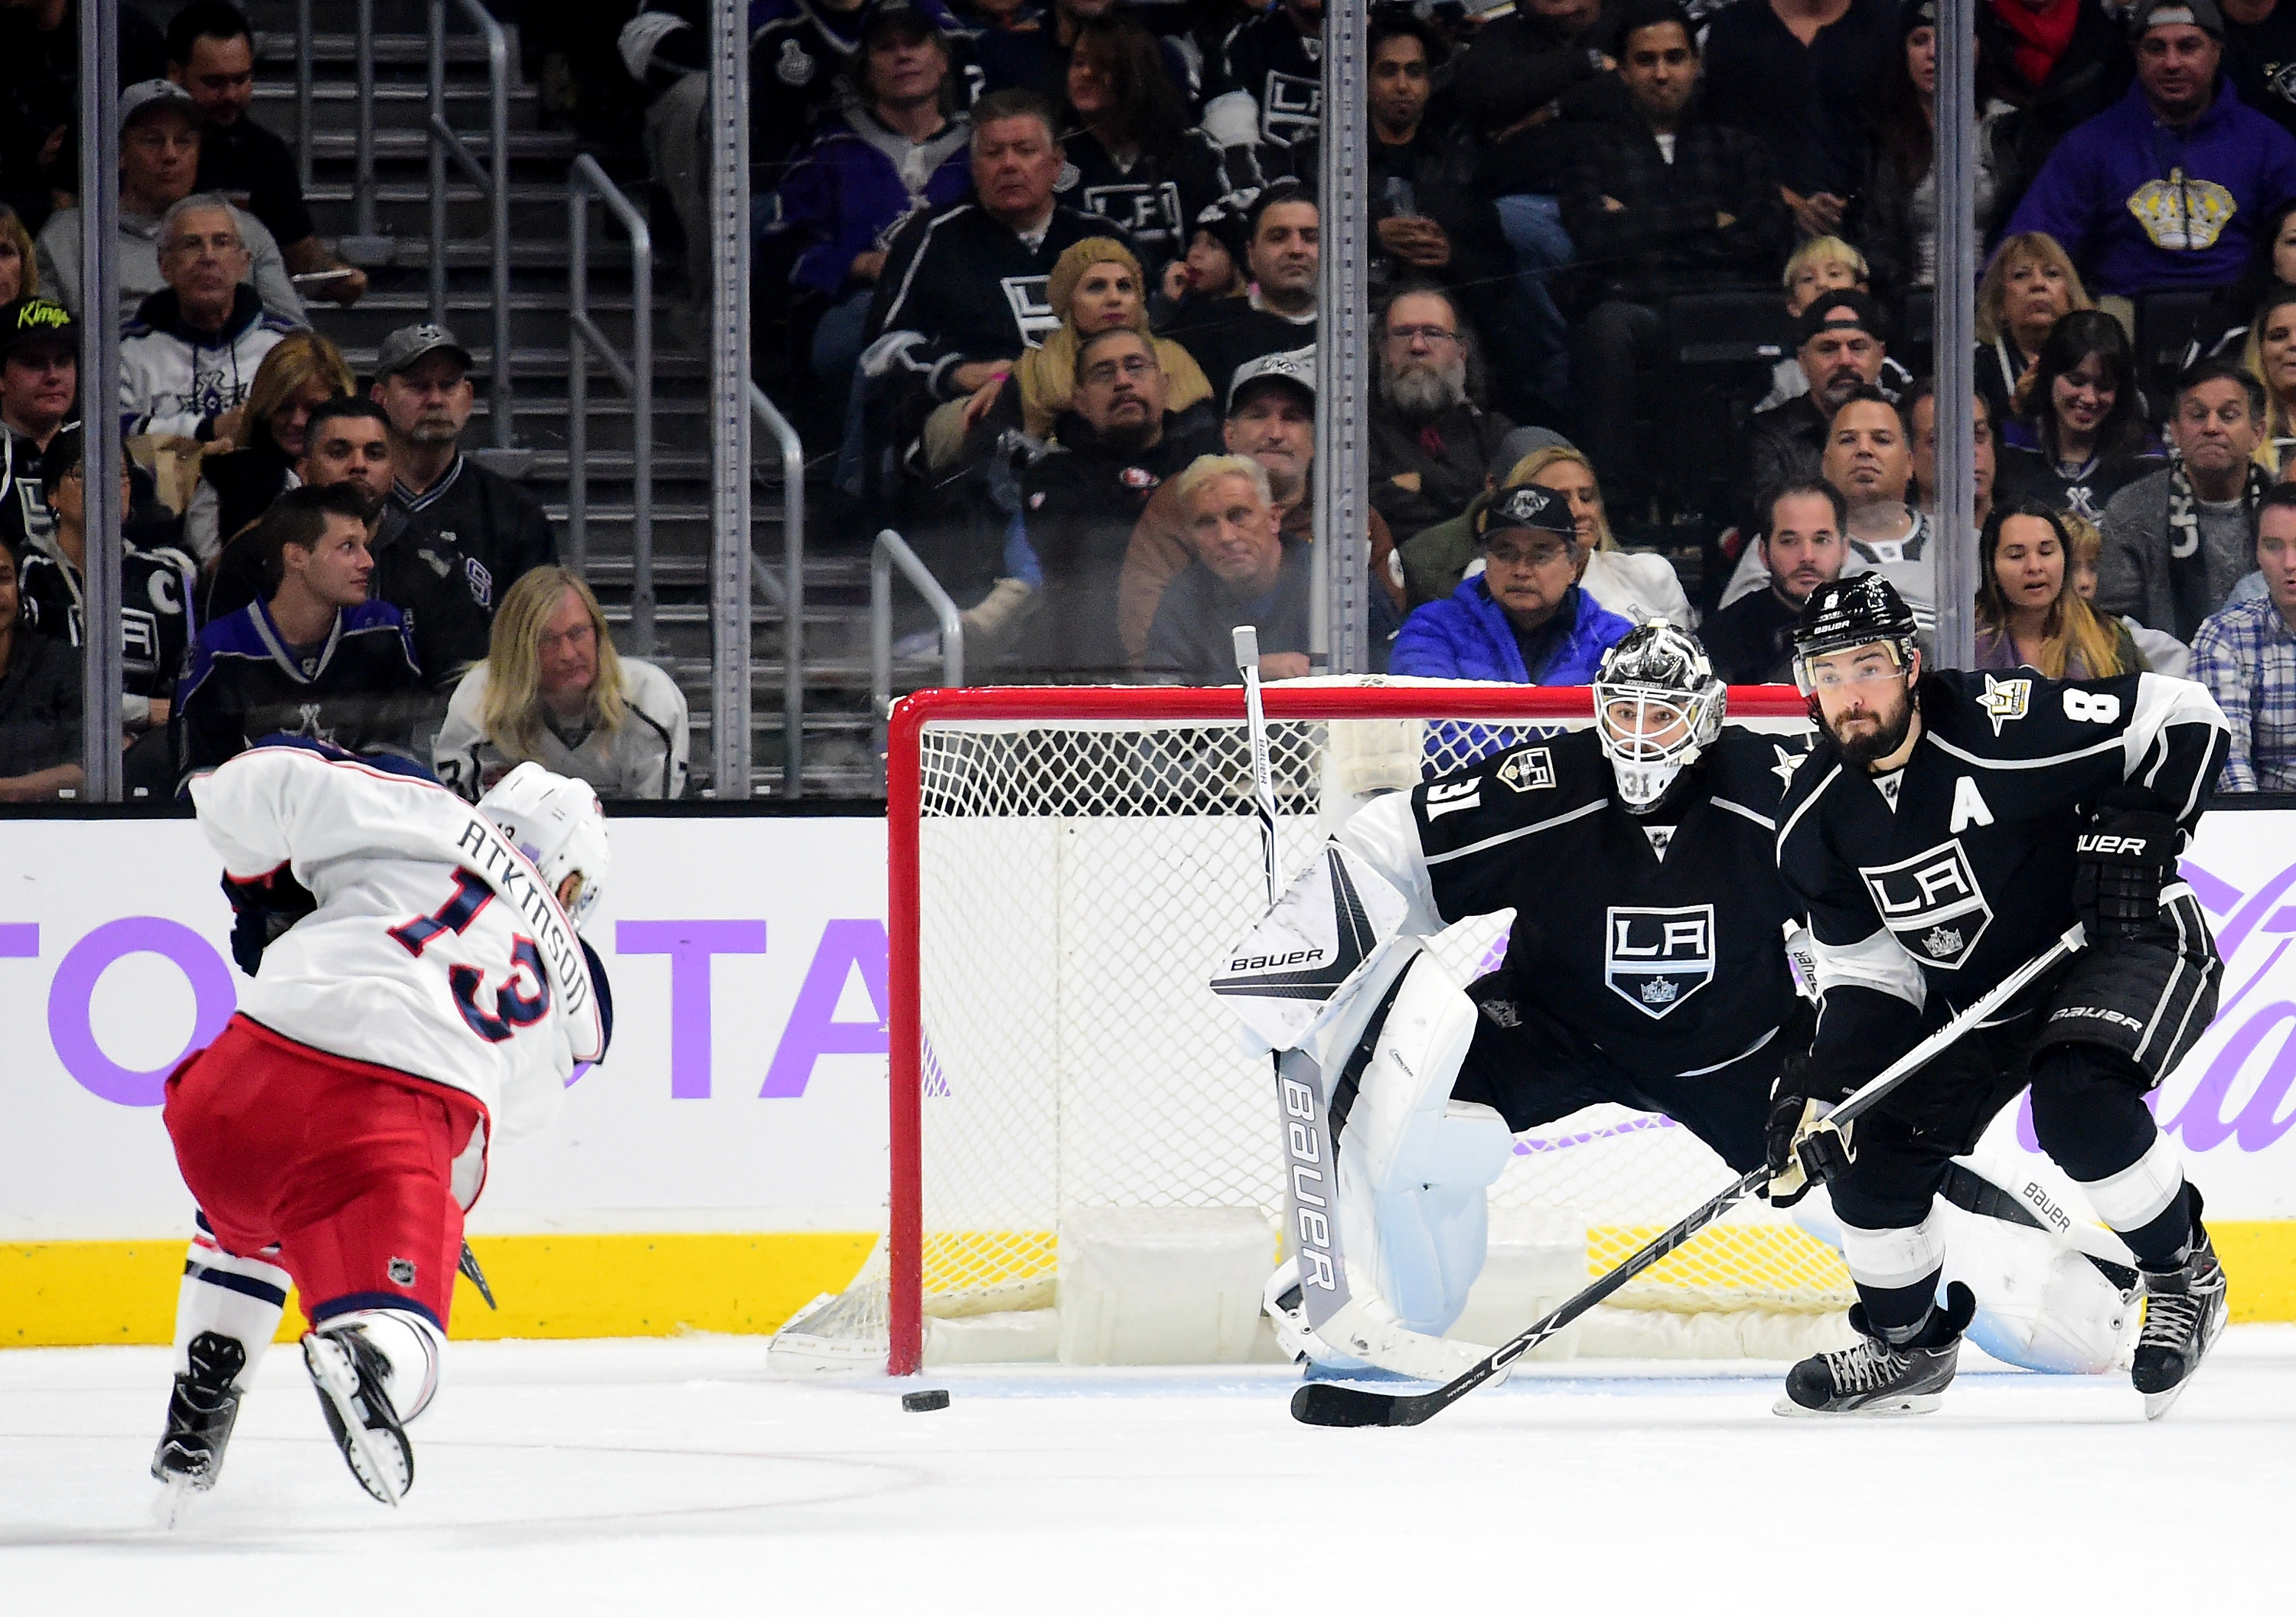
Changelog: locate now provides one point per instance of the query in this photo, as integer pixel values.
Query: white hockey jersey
(436, 949)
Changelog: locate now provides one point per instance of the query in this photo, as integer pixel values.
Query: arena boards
(727, 1162)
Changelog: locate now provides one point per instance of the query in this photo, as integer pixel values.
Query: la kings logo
(1932, 904)
(1030, 300)
(1656, 959)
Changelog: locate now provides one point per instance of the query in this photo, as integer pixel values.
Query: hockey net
(1066, 867)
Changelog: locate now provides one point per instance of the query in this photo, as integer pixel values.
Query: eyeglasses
(220, 244)
(1107, 370)
(1505, 556)
(1433, 336)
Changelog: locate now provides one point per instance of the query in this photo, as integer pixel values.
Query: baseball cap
(1847, 309)
(28, 321)
(897, 13)
(2202, 14)
(1527, 505)
(409, 343)
(148, 93)
(1294, 366)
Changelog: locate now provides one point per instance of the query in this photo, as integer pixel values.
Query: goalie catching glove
(2124, 856)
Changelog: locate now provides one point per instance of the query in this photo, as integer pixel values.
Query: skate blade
(2157, 1404)
(1917, 1403)
(338, 1381)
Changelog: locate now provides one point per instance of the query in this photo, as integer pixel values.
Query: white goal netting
(1084, 1117)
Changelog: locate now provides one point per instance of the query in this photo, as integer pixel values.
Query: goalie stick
(1311, 1179)
(1332, 1404)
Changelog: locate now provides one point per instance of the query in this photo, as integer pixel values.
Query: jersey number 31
(514, 1006)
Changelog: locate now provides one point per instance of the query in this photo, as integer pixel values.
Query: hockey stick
(476, 1276)
(1311, 1166)
(1331, 1404)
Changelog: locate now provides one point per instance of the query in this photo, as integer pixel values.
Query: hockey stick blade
(1329, 1404)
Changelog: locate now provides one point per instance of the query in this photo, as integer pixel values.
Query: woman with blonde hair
(20, 266)
(2270, 357)
(1636, 585)
(258, 443)
(553, 691)
(1095, 286)
(2028, 287)
(2029, 613)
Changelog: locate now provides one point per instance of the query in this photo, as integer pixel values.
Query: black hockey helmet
(1658, 705)
(1863, 611)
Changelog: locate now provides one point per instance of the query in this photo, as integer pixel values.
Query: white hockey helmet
(1658, 705)
(557, 823)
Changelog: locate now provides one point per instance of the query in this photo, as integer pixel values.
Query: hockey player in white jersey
(421, 989)
(1647, 967)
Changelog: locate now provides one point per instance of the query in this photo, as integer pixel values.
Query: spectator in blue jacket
(2169, 187)
(1523, 618)
(901, 148)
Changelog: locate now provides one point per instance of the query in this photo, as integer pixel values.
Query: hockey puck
(917, 1402)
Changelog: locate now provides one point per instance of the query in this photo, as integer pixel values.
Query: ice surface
(677, 1477)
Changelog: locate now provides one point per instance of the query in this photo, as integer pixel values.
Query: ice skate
(1880, 1377)
(2185, 1313)
(350, 1373)
(200, 1412)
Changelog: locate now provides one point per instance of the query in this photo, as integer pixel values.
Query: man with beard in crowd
(1843, 342)
(1430, 442)
(1802, 544)
(1118, 446)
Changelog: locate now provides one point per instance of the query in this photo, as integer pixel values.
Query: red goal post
(986, 774)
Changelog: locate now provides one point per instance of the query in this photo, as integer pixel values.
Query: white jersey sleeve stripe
(2050, 762)
(1880, 963)
(1489, 842)
(1742, 812)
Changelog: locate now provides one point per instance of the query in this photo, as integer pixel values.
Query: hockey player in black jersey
(1647, 967)
(1945, 829)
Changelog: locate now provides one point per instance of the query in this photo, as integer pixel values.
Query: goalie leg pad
(1414, 1164)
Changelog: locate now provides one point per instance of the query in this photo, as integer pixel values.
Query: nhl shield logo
(1932, 904)
(402, 1271)
(1655, 959)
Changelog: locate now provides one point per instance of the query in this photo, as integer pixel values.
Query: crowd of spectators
(301, 549)
(1651, 289)
(1052, 273)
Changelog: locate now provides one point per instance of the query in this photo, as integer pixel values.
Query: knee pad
(410, 1344)
(2089, 1113)
(1414, 1164)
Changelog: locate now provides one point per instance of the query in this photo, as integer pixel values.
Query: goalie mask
(557, 823)
(1657, 707)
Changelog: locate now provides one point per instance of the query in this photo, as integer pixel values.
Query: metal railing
(891, 551)
(585, 181)
(492, 179)
(305, 124)
(791, 593)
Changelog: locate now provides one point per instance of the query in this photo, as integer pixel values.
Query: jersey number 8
(2092, 707)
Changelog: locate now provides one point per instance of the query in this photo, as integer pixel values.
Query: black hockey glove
(1801, 1148)
(2125, 855)
(265, 907)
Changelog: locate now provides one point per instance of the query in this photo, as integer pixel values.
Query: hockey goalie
(1649, 966)
(419, 989)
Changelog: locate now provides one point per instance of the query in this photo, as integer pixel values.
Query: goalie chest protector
(1670, 963)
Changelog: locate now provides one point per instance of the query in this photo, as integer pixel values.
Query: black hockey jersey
(1926, 887)
(1671, 964)
(155, 612)
(360, 690)
(1282, 69)
(468, 538)
(959, 285)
